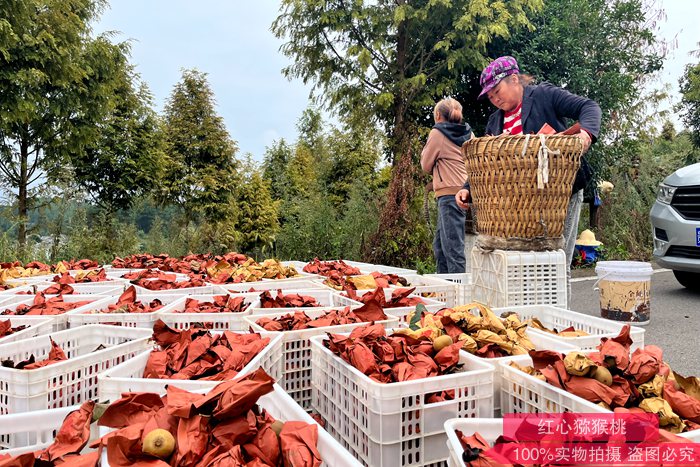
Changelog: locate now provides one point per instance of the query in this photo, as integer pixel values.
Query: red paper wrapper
(267, 300)
(325, 267)
(43, 306)
(197, 354)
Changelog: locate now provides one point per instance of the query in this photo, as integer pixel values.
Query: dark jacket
(546, 103)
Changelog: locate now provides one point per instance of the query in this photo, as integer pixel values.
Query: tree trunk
(22, 202)
(390, 244)
(400, 133)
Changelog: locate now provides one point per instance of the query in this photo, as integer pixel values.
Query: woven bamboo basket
(521, 186)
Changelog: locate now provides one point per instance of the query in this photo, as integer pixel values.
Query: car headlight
(665, 193)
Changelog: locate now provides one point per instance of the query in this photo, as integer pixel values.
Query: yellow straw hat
(587, 238)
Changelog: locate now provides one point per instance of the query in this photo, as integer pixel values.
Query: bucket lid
(623, 267)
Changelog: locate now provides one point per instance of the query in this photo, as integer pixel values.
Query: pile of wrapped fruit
(225, 427)
(615, 379)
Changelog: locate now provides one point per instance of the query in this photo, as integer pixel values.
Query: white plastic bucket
(625, 291)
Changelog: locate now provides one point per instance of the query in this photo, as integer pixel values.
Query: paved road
(675, 318)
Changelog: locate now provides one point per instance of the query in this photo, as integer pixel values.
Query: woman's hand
(462, 198)
(585, 139)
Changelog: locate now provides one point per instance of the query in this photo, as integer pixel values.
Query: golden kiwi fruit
(441, 342)
(159, 443)
(603, 375)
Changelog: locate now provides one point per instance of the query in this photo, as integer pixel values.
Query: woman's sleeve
(430, 151)
(585, 110)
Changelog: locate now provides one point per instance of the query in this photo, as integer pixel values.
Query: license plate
(697, 236)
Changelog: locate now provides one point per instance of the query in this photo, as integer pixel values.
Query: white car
(675, 221)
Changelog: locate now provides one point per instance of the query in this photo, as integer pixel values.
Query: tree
(690, 101)
(274, 168)
(125, 161)
(55, 85)
(258, 213)
(353, 160)
(389, 61)
(201, 169)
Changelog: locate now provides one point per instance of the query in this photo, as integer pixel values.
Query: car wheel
(689, 280)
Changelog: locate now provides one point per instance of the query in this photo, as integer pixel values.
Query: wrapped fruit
(398, 298)
(485, 335)
(225, 427)
(45, 306)
(323, 268)
(300, 320)
(281, 300)
(6, 328)
(577, 363)
(394, 358)
(197, 354)
(81, 277)
(614, 379)
(56, 354)
(218, 304)
(127, 303)
(566, 332)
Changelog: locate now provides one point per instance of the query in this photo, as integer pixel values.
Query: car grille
(686, 200)
(692, 252)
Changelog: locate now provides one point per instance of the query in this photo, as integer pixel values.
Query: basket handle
(543, 162)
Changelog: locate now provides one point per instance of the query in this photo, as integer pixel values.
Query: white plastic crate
(434, 288)
(38, 326)
(69, 382)
(553, 317)
(174, 317)
(128, 376)
(282, 284)
(390, 424)
(111, 279)
(90, 288)
(20, 281)
(10, 302)
(326, 298)
(297, 351)
(367, 268)
(523, 393)
(20, 290)
(88, 314)
(282, 407)
(120, 273)
(299, 266)
(33, 431)
(541, 342)
(463, 282)
(203, 290)
(60, 321)
(692, 436)
(489, 428)
(509, 278)
(22, 298)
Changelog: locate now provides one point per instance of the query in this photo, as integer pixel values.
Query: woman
(524, 108)
(442, 157)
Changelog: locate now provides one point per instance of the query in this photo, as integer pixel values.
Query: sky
(231, 41)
